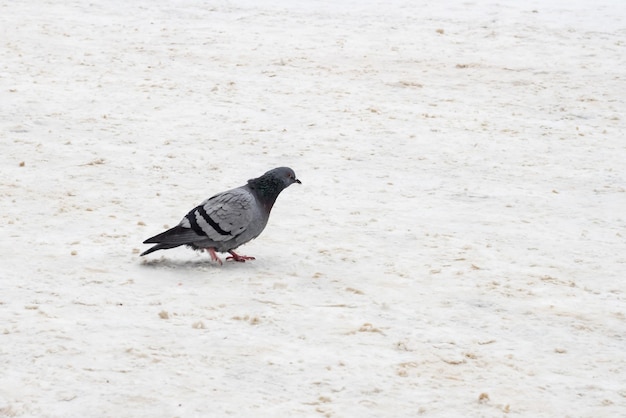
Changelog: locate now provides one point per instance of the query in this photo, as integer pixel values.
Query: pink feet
(233, 256)
(237, 257)
(214, 256)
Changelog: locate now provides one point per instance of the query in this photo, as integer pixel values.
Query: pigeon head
(284, 175)
(269, 185)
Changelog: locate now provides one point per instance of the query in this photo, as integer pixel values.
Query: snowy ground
(457, 248)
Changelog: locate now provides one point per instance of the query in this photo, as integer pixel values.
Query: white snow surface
(457, 247)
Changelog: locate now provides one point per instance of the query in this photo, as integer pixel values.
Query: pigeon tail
(157, 247)
(172, 238)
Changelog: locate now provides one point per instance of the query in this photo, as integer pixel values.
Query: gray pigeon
(229, 219)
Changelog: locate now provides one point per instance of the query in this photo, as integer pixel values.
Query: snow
(457, 247)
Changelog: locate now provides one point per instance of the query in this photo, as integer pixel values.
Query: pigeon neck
(266, 190)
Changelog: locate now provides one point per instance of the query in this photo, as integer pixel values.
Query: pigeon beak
(298, 181)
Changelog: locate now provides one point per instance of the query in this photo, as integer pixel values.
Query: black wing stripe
(194, 224)
(211, 222)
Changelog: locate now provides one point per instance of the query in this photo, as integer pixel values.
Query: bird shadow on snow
(197, 264)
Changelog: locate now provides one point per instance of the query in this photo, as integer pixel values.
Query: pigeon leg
(237, 257)
(214, 256)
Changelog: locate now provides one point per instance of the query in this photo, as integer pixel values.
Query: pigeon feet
(234, 256)
(214, 256)
(237, 257)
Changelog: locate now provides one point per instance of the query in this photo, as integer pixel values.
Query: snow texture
(457, 247)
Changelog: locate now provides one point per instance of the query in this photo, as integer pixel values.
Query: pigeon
(229, 219)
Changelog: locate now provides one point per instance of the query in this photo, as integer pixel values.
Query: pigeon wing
(222, 217)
